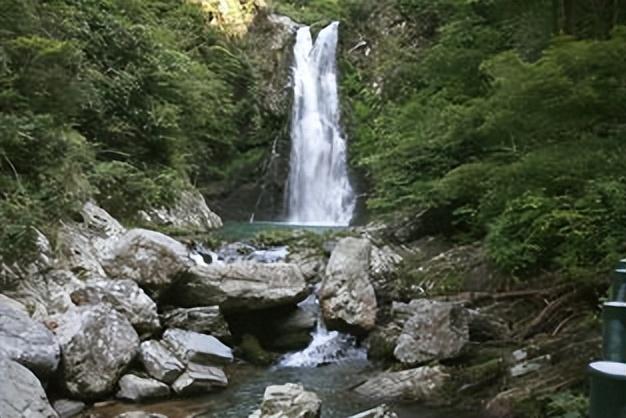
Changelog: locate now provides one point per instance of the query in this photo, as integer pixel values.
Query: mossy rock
(252, 351)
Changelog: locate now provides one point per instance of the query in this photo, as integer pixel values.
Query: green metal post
(608, 390)
(614, 332)
(618, 285)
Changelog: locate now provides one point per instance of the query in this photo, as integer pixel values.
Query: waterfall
(318, 188)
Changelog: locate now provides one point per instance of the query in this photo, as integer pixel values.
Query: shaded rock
(347, 297)
(126, 297)
(435, 331)
(421, 384)
(198, 348)
(189, 213)
(150, 258)
(203, 319)
(486, 327)
(288, 401)
(137, 389)
(97, 343)
(296, 321)
(241, 286)
(252, 351)
(199, 378)
(504, 404)
(311, 264)
(21, 394)
(382, 411)
(67, 408)
(160, 362)
(28, 342)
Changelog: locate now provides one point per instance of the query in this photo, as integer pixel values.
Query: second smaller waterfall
(326, 347)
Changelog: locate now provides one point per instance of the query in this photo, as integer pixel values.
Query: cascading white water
(326, 346)
(318, 188)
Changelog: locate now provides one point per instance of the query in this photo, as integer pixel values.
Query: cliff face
(233, 16)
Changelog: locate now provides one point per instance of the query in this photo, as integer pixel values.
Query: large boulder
(126, 297)
(21, 394)
(160, 362)
(28, 342)
(241, 286)
(188, 213)
(199, 378)
(203, 319)
(150, 258)
(137, 389)
(98, 343)
(347, 297)
(421, 384)
(288, 401)
(199, 348)
(434, 331)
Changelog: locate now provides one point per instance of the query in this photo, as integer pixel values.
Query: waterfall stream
(318, 188)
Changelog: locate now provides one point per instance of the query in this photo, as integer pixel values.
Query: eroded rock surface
(421, 384)
(21, 394)
(288, 401)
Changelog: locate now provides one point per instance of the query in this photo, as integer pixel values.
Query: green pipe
(618, 285)
(608, 390)
(614, 332)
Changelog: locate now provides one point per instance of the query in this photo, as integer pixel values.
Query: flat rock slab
(203, 319)
(21, 394)
(199, 348)
(67, 408)
(241, 286)
(382, 411)
(199, 378)
(27, 341)
(160, 362)
(421, 384)
(137, 389)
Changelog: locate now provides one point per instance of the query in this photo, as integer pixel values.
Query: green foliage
(515, 131)
(567, 405)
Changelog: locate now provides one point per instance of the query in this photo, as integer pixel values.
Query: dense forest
(499, 122)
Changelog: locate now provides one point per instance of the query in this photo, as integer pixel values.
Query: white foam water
(318, 188)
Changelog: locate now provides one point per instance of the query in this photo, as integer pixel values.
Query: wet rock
(252, 351)
(434, 331)
(421, 384)
(241, 286)
(199, 348)
(189, 213)
(347, 297)
(140, 414)
(160, 362)
(203, 319)
(67, 408)
(126, 297)
(150, 258)
(199, 378)
(288, 401)
(21, 394)
(137, 389)
(97, 343)
(28, 342)
(382, 411)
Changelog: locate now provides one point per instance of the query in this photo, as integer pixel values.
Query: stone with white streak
(160, 362)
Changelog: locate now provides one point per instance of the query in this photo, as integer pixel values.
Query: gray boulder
(203, 319)
(126, 297)
(137, 389)
(98, 343)
(21, 394)
(159, 361)
(382, 411)
(199, 348)
(241, 286)
(140, 414)
(288, 401)
(67, 408)
(28, 342)
(199, 378)
(421, 384)
(347, 297)
(188, 213)
(150, 258)
(434, 331)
